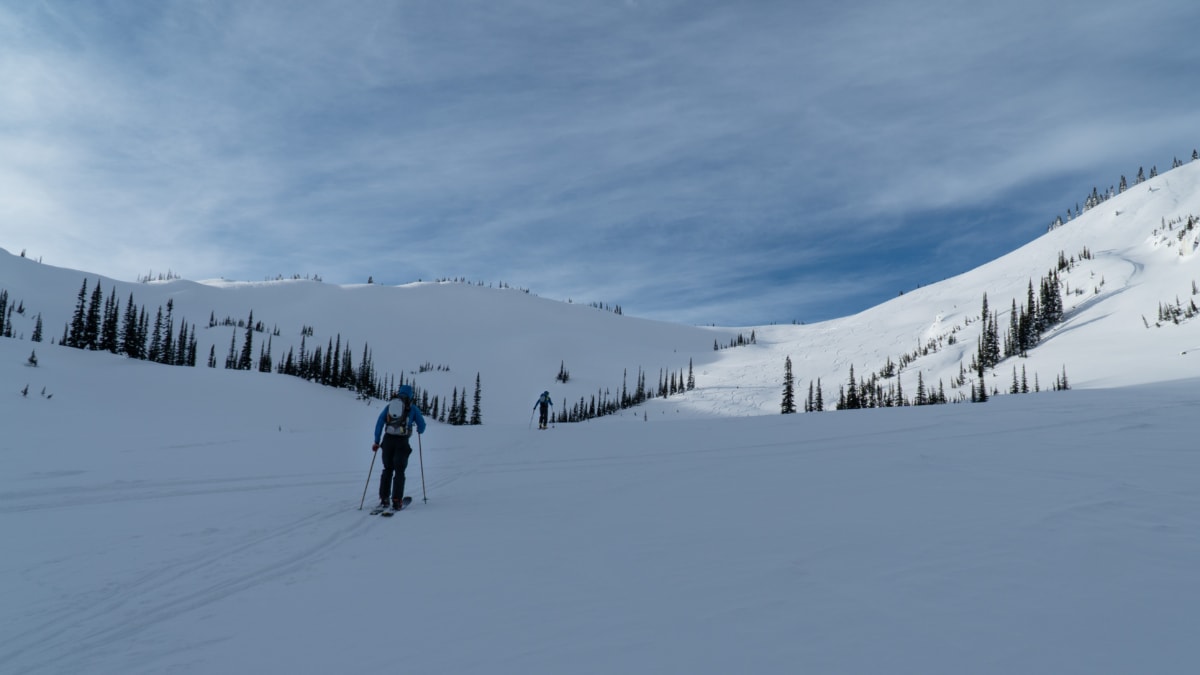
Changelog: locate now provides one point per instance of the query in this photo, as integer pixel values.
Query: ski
(391, 512)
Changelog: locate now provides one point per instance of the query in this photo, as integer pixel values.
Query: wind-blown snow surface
(194, 520)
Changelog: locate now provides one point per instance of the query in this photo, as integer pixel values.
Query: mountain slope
(1142, 255)
(454, 328)
(1131, 254)
(194, 520)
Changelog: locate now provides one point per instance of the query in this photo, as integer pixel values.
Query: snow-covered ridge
(1130, 257)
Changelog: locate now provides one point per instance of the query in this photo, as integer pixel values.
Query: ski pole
(421, 460)
(531, 418)
(369, 472)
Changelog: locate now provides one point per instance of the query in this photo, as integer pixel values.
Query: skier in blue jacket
(392, 431)
(544, 404)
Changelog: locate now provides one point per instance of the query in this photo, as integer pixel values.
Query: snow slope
(207, 521)
(1109, 338)
(192, 520)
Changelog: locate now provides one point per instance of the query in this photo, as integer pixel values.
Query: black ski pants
(395, 450)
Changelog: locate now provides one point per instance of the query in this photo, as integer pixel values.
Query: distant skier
(543, 404)
(392, 431)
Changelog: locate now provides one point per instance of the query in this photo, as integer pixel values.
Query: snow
(193, 520)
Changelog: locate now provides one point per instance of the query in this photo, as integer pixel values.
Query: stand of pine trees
(100, 324)
(604, 402)
(1039, 313)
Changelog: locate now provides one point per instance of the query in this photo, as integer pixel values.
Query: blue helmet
(404, 392)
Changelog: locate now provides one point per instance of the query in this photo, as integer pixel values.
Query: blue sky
(702, 162)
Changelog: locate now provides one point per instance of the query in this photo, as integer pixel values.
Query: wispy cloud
(698, 161)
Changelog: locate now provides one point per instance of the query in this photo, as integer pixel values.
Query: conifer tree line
(739, 341)
(456, 414)
(604, 402)
(333, 366)
(1176, 312)
(6, 312)
(871, 392)
(99, 323)
(1027, 323)
(1097, 198)
(1041, 311)
(615, 309)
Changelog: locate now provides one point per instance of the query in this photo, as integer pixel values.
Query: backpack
(396, 423)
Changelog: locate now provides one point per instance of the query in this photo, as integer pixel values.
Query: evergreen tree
(191, 357)
(347, 370)
(110, 337)
(185, 350)
(476, 417)
(74, 337)
(264, 357)
(231, 358)
(245, 357)
(789, 388)
(335, 366)
(91, 322)
(129, 330)
(852, 399)
(167, 351)
(37, 329)
(365, 374)
(155, 353)
(143, 332)
(326, 364)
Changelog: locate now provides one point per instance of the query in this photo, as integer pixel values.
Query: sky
(698, 162)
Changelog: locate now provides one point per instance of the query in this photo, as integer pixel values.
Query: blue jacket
(415, 418)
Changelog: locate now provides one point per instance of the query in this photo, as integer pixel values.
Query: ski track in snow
(127, 491)
(67, 638)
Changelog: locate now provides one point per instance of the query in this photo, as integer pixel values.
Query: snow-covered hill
(516, 342)
(1130, 255)
(1140, 254)
(194, 520)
